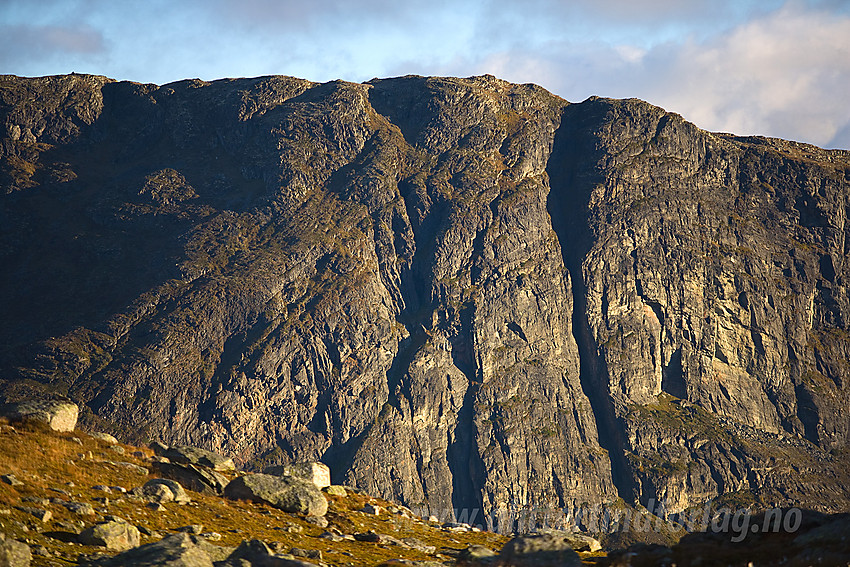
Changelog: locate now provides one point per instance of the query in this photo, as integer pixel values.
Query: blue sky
(771, 67)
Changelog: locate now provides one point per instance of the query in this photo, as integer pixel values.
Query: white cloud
(785, 73)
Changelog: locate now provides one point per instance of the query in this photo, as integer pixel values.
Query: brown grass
(75, 462)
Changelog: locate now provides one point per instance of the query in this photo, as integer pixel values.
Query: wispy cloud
(25, 43)
(783, 73)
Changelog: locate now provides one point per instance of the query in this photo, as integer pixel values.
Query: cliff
(458, 293)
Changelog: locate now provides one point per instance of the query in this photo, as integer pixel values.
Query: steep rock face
(458, 293)
(714, 271)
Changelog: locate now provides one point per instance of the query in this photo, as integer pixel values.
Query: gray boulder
(163, 490)
(317, 473)
(59, 415)
(577, 541)
(476, 553)
(539, 550)
(177, 550)
(193, 477)
(105, 437)
(11, 480)
(115, 534)
(14, 553)
(194, 456)
(287, 493)
(257, 554)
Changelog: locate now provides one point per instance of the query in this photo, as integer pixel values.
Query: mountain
(460, 294)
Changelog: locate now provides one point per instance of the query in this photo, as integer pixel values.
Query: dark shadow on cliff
(572, 177)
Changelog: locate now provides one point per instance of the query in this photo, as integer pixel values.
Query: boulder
(14, 553)
(287, 493)
(317, 473)
(40, 513)
(193, 477)
(115, 534)
(476, 553)
(578, 541)
(194, 456)
(59, 415)
(105, 437)
(257, 554)
(539, 550)
(165, 490)
(176, 550)
(11, 479)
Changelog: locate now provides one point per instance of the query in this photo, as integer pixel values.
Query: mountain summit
(460, 294)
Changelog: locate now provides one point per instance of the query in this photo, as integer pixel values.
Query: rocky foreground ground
(69, 497)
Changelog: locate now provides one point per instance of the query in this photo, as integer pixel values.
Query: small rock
(371, 536)
(102, 488)
(578, 541)
(118, 449)
(43, 515)
(36, 500)
(335, 490)
(476, 553)
(194, 456)
(320, 521)
(114, 534)
(155, 506)
(332, 537)
(165, 490)
(418, 545)
(371, 509)
(39, 550)
(211, 536)
(120, 489)
(191, 529)
(308, 553)
(106, 437)
(11, 479)
(461, 525)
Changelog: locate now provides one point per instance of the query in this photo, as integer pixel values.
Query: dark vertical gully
(464, 460)
(572, 177)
